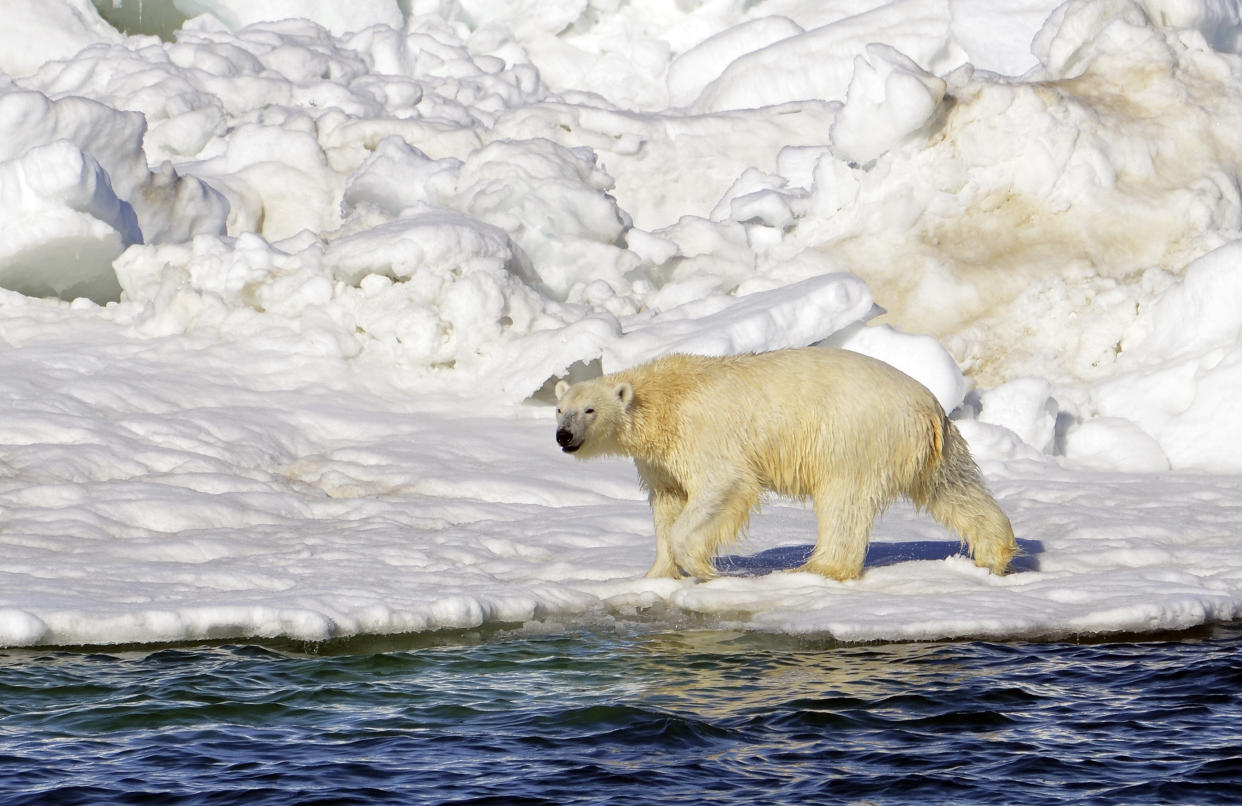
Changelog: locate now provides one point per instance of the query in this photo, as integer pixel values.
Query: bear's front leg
(666, 505)
(712, 517)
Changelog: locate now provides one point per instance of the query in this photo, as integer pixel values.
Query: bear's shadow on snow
(787, 558)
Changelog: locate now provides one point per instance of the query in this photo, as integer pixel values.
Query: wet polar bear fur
(847, 432)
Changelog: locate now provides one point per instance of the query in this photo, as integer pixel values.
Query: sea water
(626, 715)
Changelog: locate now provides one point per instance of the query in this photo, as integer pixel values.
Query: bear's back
(778, 413)
(778, 378)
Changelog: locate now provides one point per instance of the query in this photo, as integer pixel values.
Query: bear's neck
(653, 426)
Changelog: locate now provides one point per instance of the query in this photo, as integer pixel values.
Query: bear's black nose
(564, 436)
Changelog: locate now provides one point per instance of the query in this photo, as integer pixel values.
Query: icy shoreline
(322, 511)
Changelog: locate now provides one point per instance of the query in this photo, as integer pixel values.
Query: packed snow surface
(283, 292)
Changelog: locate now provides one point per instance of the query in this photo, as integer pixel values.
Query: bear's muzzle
(565, 438)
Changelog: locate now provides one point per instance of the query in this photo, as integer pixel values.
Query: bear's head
(590, 414)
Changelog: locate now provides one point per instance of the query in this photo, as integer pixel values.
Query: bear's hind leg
(957, 497)
(845, 518)
(974, 514)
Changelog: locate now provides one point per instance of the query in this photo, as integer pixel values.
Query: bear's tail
(956, 496)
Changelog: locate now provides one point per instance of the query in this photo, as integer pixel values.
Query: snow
(35, 33)
(283, 294)
(889, 99)
(336, 19)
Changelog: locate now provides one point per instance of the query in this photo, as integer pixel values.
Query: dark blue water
(627, 718)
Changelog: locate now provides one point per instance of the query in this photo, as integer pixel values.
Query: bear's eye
(558, 412)
(590, 411)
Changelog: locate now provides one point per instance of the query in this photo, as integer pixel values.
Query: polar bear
(710, 434)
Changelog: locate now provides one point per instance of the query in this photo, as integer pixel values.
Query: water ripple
(627, 718)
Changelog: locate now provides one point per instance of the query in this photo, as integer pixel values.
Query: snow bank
(63, 225)
(75, 191)
(339, 20)
(36, 33)
(304, 269)
(1182, 366)
(820, 62)
(889, 99)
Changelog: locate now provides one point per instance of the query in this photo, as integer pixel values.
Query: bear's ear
(561, 388)
(624, 393)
